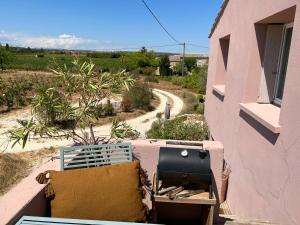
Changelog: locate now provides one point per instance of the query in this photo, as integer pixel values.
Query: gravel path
(141, 123)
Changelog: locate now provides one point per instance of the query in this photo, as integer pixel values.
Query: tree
(164, 66)
(54, 106)
(5, 58)
(177, 69)
(140, 59)
(190, 63)
(143, 49)
(7, 47)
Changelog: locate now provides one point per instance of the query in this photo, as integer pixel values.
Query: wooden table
(198, 207)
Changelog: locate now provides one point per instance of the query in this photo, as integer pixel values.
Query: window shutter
(270, 63)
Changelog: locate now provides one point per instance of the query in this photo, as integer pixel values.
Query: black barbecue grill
(184, 167)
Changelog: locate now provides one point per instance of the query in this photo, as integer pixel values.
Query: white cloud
(65, 41)
(65, 36)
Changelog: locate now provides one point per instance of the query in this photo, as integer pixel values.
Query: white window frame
(277, 101)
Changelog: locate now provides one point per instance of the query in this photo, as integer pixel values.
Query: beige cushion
(99, 193)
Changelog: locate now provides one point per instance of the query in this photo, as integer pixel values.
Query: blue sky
(106, 24)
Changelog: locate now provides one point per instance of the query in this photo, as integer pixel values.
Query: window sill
(266, 114)
(220, 89)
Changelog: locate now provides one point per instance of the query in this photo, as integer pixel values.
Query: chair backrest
(95, 155)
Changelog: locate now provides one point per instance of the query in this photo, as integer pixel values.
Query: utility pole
(183, 57)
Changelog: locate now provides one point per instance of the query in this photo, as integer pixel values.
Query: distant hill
(74, 51)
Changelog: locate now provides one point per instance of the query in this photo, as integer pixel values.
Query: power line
(136, 48)
(195, 45)
(150, 47)
(155, 17)
(159, 46)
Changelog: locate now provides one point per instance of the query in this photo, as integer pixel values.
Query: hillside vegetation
(33, 59)
(195, 80)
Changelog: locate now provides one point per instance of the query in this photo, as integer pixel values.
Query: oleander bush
(179, 129)
(55, 115)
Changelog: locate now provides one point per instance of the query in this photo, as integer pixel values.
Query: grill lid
(184, 165)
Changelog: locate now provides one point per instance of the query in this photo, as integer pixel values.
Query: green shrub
(108, 109)
(148, 71)
(164, 66)
(103, 70)
(65, 123)
(139, 60)
(140, 95)
(103, 54)
(152, 79)
(8, 98)
(20, 100)
(126, 104)
(201, 98)
(97, 110)
(196, 80)
(200, 108)
(159, 115)
(143, 62)
(115, 55)
(48, 105)
(6, 57)
(192, 104)
(190, 63)
(178, 129)
(102, 110)
(16, 92)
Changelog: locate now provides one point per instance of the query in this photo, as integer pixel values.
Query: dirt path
(142, 124)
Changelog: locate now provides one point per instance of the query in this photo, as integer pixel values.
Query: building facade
(252, 98)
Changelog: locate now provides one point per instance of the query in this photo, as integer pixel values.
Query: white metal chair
(95, 155)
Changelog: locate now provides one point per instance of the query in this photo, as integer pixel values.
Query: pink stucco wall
(27, 198)
(265, 178)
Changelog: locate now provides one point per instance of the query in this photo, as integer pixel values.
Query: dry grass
(17, 74)
(165, 85)
(168, 86)
(121, 116)
(13, 168)
(16, 166)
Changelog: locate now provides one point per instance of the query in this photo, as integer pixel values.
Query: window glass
(224, 43)
(283, 64)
